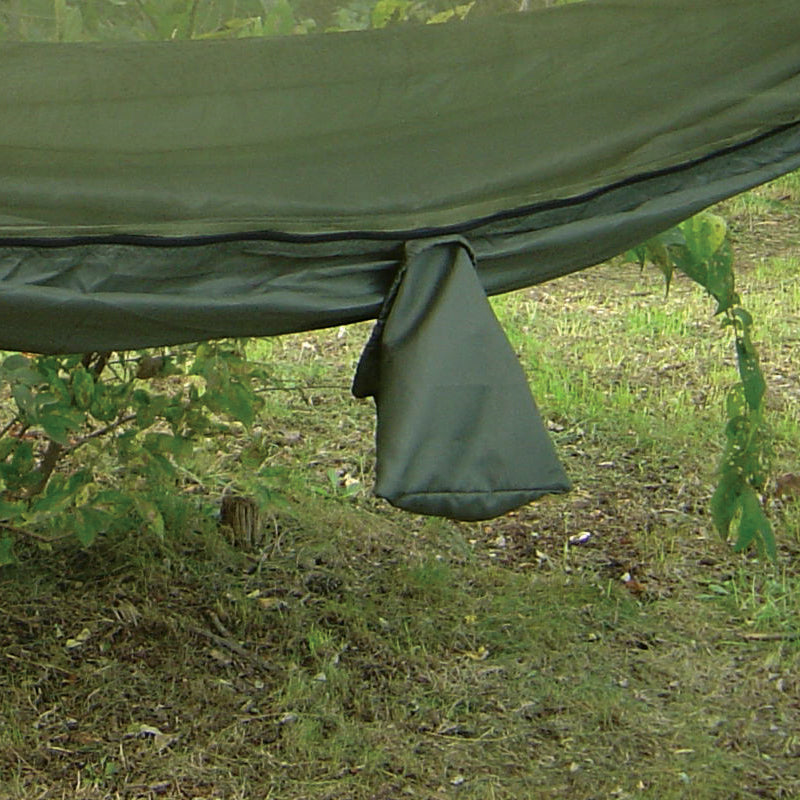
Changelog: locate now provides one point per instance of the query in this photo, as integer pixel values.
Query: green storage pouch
(458, 432)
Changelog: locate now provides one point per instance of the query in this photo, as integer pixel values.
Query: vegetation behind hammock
(141, 20)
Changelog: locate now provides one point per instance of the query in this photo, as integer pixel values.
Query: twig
(30, 621)
(223, 631)
(231, 644)
(340, 387)
(101, 432)
(46, 467)
(9, 426)
(31, 535)
(771, 637)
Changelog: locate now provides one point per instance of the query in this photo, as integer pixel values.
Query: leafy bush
(700, 248)
(134, 420)
(162, 20)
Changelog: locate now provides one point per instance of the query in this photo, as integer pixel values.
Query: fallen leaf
(79, 640)
(163, 741)
(787, 486)
(634, 587)
(142, 729)
(481, 654)
(272, 603)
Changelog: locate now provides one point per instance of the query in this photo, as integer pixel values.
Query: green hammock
(158, 193)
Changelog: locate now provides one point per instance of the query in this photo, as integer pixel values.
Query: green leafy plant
(163, 20)
(700, 248)
(135, 419)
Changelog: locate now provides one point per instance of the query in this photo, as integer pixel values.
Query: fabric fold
(458, 432)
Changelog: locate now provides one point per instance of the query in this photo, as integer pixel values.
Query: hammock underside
(153, 194)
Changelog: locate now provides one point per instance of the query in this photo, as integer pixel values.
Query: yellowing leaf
(705, 233)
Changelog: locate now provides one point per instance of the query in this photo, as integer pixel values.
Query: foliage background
(88, 20)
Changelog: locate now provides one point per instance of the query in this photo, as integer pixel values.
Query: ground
(601, 644)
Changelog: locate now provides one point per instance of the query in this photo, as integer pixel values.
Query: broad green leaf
(690, 265)
(10, 511)
(59, 422)
(167, 444)
(126, 445)
(19, 369)
(83, 388)
(25, 400)
(150, 514)
(22, 461)
(55, 497)
(719, 278)
(174, 413)
(104, 407)
(61, 492)
(7, 446)
(70, 362)
(704, 233)
(725, 502)
(57, 391)
(754, 526)
(145, 407)
(88, 522)
(231, 398)
(239, 402)
(750, 372)
(735, 404)
(15, 362)
(159, 468)
(112, 500)
(637, 255)
(115, 506)
(386, 11)
(657, 252)
(195, 421)
(7, 557)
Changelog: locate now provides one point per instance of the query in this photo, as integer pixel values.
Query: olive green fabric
(400, 129)
(458, 432)
(157, 193)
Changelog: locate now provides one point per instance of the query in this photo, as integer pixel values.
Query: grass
(602, 644)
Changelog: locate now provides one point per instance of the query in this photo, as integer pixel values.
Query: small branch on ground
(771, 637)
(230, 644)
